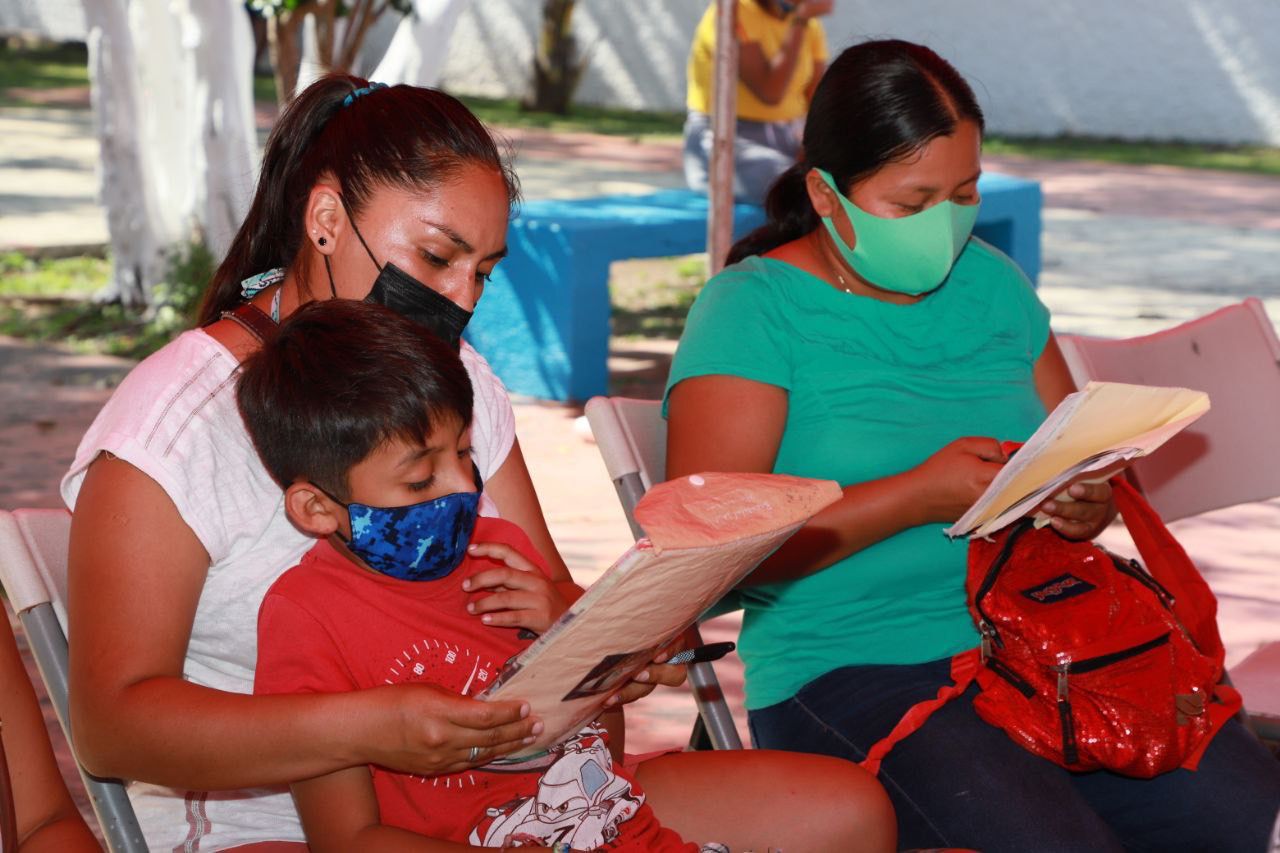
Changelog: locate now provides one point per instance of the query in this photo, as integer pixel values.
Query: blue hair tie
(364, 90)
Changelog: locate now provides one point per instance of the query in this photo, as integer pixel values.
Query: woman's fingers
(1091, 492)
(491, 743)
(985, 448)
(1089, 501)
(1085, 514)
(438, 729)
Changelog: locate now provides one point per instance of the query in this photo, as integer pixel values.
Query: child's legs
(1229, 804)
(957, 782)
(757, 799)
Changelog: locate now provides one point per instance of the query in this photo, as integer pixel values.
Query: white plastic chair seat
(33, 569)
(1257, 677)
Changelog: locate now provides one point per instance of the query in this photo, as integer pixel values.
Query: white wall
(1204, 70)
(60, 20)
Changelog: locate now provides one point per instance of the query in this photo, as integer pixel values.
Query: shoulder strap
(964, 668)
(1194, 603)
(251, 318)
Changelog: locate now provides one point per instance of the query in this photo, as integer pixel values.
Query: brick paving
(1127, 250)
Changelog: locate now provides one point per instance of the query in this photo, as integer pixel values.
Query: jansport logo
(1057, 589)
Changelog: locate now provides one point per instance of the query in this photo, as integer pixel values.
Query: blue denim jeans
(761, 152)
(960, 782)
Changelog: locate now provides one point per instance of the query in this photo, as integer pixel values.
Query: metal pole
(724, 125)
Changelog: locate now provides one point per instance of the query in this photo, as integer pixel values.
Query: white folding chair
(33, 569)
(1230, 456)
(632, 438)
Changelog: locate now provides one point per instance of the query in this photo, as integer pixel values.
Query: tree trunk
(123, 183)
(420, 46)
(283, 38)
(556, 67)
(312, 40)
(222, 120)
(172, 100)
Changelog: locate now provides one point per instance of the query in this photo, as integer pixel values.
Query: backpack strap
(1193, 602)
(964, 668)
(252, 319)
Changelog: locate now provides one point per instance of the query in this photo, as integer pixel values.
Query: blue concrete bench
(544, 320)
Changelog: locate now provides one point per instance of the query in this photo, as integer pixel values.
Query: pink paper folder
(704, 534)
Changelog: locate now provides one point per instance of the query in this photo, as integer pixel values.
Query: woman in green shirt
(863, 336)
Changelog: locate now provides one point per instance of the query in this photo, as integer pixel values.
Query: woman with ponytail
(396, 195)
(863, 336)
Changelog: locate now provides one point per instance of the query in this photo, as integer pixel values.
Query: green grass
(651, 298)
(84, 327)
(614, 122)
(1254, 159)
(50, 301)
(45, 67)
(57, 66)
(63, 277)
(264, 88)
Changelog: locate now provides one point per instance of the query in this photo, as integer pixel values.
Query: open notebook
(1090, 436)
(704, 533)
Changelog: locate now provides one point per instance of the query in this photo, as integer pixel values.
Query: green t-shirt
(874, 389)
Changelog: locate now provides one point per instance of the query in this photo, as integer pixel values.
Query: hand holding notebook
(703, 535)
(1090, 436)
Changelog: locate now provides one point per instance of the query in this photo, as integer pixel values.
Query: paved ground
(1127, 250)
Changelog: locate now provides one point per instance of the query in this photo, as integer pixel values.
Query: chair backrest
(1229, 455)
(33, 569)
(632, 438)
(33, 559)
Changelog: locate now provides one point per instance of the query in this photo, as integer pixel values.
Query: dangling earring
(322, 241)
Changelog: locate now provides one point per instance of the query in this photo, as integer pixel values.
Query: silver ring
(474, 754)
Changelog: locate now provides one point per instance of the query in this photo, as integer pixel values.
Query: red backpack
(1086, 659)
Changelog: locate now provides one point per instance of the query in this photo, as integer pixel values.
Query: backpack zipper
(1078, 667)
(1070, 752)
(1002, 669)
(987, 627)
(1134, 569)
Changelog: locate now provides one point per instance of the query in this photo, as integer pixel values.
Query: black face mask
(413, 300)
(402, 293)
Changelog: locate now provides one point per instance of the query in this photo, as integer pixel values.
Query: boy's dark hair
(339, 379)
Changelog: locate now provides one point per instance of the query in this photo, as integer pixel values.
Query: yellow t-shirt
(755, 25)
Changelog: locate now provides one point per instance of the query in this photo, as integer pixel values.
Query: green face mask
(912, 254)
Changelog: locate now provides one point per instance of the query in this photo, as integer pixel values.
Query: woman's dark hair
(400, 136)
(338, 380)
(879, 102)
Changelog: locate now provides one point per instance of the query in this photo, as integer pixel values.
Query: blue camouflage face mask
(420, 542)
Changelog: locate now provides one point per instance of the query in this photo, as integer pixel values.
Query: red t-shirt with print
(329, 626)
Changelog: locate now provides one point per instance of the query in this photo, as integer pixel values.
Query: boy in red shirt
(365, 426)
